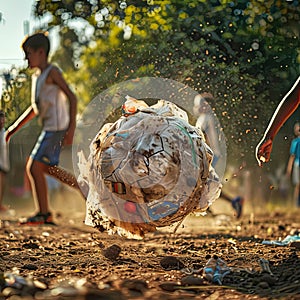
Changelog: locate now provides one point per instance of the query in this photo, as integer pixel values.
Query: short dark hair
(36, 41)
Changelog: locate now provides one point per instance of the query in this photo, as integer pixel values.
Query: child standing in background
(211, 129)
(56, 105)
(4, 160)
(293, 167)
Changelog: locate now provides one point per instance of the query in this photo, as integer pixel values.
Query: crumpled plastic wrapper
(215, 270)
(286, 241)
(149, 169)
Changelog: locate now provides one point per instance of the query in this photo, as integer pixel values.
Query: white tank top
(52, 104)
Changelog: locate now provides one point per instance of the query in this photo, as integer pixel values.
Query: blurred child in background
(293, 167)
(4, 160)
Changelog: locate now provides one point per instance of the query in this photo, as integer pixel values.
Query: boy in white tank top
(56, 105)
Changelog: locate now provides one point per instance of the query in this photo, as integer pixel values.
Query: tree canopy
(246, 53)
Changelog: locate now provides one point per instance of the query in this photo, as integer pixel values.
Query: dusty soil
(74, 261)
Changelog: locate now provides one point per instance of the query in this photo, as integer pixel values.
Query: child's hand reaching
(263, 151)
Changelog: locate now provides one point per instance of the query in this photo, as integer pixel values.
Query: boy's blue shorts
(48, 146)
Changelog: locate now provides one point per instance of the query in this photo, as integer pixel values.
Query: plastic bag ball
(149, 169)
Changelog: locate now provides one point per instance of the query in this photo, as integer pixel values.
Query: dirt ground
(74, 261)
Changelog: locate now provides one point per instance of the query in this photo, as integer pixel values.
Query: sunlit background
(245, 53)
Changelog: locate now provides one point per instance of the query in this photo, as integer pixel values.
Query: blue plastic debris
(286, 241)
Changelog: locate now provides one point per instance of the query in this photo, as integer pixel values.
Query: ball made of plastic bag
(149, 169)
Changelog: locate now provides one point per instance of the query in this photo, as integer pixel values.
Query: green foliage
(246, 53)
(16, 97)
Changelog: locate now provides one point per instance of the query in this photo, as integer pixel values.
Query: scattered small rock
(135, 285)
(295, 244)
(192, 280)
(263, 285)
(271, 280)
(30, 267)
(169, 286)
(31, 245)
(171, 263)
(112, 252)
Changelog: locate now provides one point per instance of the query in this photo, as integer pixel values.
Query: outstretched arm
(27, 115)
(286, 107)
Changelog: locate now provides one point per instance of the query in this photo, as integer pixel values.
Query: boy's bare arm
(286, 107)
(27, 115)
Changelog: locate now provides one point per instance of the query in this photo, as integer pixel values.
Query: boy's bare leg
(225, 197)
(296, 195)
(36, 172)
